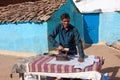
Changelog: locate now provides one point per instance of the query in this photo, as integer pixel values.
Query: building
(101, 20)
(24, 26)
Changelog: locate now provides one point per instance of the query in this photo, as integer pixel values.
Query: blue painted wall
(76, 18)
(33, 37)
(91, 27)
(24, 37)
(101, 27)
(109, 27)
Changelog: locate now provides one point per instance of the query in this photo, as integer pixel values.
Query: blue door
(91, 24)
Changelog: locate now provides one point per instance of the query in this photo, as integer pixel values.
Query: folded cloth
(89, 60)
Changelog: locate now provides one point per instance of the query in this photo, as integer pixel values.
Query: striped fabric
(40, 65)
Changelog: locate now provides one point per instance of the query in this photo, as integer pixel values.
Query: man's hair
(64, 16)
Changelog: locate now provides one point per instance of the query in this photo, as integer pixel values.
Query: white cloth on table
(90, 75)
(89, 60)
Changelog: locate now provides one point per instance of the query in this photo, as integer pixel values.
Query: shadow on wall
(87, 37)
(85, 43)
(91, 28)
(113, 70)
(7, 2)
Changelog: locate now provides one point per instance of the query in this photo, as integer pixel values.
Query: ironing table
(39, 66)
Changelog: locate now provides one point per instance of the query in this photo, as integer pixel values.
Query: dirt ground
(111, 65)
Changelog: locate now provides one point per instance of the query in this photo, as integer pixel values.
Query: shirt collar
(62, 27)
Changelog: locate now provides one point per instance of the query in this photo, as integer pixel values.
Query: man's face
(65, 22)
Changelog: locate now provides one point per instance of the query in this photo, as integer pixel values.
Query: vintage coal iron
(63, 56)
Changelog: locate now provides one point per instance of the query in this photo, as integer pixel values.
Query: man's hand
(60, 47)
(80, 59)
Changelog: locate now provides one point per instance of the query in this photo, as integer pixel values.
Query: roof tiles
(36, 11)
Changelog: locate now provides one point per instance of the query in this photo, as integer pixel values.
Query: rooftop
(33, 10)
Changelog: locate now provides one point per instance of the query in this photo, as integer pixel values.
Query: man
(69, 37)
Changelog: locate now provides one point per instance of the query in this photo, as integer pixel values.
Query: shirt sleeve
(78, 43)
(52, 36)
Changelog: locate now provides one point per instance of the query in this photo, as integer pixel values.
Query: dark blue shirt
(67, 38)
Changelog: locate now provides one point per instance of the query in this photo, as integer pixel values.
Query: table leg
(21, 76)
(39, 77)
